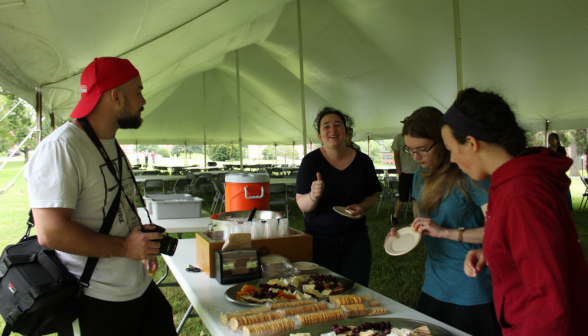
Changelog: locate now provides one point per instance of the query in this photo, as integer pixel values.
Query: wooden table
(206, 295)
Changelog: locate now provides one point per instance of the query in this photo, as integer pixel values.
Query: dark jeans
(149, 314)
(349, 255)
(479, 320)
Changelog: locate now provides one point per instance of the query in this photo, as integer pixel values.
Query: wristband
(311, 198)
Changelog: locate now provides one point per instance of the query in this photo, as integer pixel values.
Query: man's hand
(141, 245)
(316, 189)
(152, 265)
(474, 262)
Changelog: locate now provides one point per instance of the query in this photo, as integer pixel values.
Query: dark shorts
(404, 186)
(149, 314)
(478, 320)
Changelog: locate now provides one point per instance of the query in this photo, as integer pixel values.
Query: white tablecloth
(207, 295)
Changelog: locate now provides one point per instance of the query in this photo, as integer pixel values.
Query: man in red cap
(73, 181)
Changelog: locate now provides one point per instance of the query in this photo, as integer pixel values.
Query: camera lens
(168, 245)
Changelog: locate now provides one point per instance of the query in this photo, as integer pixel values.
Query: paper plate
(305, 267)
(403, 242)
(341, 211)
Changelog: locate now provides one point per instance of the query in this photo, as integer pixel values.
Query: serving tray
(323, 328)
(231, 293)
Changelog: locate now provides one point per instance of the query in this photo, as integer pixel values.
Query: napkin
(237, 241)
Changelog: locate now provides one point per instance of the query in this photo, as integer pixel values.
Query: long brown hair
(443, 175)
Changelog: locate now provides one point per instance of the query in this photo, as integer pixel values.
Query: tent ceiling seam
(140, 25)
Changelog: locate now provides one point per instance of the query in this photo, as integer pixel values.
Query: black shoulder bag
(38, 295)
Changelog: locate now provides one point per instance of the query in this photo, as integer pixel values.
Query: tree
(268, 153)
(374, 154)
(163, 152)
(18, 124)
(149, 148)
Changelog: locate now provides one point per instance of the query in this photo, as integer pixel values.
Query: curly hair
(347, 120)
(495, 116)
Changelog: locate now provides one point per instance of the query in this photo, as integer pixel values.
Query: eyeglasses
(421, 153)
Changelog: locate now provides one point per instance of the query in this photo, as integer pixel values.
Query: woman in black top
(555, 145)
(336, 175)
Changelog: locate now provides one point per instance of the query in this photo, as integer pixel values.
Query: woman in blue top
(451, 222)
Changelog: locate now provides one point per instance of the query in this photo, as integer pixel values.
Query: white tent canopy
(376, 60)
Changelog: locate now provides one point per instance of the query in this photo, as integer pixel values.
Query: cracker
(366, 298)
(374, 303)
(226, 317)
(376, 311)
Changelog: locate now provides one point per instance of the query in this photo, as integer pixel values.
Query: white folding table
(206, 295)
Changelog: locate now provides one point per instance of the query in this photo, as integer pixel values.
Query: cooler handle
(254, 197)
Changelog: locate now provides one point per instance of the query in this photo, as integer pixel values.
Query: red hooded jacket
(539, 274)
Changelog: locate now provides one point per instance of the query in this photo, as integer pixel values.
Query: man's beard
(129, 121)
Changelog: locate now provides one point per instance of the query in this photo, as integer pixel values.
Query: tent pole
(136, 145)
(39, 115)
(369, 138)
(301, 59)
(231, 151)
(239, 108)
(204, 103)
(52, 121)
(546, 134)
(185, 153)
(457, 30)
(293, 151)
(276, 153)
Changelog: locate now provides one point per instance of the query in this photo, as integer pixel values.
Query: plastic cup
(272, 228)
(284, 227)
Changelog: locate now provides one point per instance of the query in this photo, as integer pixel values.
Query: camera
(168, 244)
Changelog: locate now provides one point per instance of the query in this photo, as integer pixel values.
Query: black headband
(461, 123)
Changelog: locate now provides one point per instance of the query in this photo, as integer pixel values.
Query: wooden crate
(296, 248)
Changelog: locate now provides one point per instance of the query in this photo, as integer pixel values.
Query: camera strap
(111, 215)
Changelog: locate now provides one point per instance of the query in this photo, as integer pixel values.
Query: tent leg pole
(136, 150)
(457, 30)
(239, 107)
(39, 115)
(301, 59)
(204, 103)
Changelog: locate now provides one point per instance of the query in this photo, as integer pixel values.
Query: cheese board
(316, 286)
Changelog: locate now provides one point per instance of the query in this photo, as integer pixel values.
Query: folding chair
(279, 195)
(152, 187)
(277, 172)
(182, 186)
(291, 195)
(585, 195)
(219, 197)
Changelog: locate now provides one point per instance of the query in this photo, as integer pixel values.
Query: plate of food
(313, 286)
(402, 242)
(372, 326)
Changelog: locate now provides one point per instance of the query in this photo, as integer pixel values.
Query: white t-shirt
(407, 163)
(67, 171)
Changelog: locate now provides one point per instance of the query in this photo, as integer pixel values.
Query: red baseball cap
(103, 74)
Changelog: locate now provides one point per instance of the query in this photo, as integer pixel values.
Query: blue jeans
(349, 255)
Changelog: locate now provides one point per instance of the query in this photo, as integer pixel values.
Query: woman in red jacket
(531, 246)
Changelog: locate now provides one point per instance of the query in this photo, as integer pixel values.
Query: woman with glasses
(451, 222)
(539, 272)
(336, 175)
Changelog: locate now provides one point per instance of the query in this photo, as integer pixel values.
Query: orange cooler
(245, 191)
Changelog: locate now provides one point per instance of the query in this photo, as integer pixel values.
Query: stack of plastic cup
(284, 227)
(272, 228)
(256, 229)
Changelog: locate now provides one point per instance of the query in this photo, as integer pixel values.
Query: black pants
(349, 255)
(479, 320)
(149, 314)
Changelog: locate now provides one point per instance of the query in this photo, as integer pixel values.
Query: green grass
(399, 278)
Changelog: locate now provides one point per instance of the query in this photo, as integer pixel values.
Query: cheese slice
(326, 292)
(306, 288)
